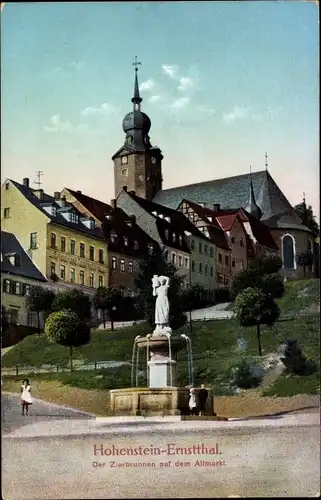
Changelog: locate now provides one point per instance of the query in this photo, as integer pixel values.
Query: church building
(138, 168)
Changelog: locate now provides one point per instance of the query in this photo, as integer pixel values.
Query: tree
(73, 300)
(308, 218)
(40, 300)
(106, 299)
(145, 302)
(254, 308)
(4, 326)
(266, 265)
(270, 284)
(304, 259)
(67, 329)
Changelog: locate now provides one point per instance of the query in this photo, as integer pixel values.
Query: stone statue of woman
(160, 290)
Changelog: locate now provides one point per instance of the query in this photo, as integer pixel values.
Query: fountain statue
(160, 396)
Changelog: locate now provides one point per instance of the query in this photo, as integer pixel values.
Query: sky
(222, 82)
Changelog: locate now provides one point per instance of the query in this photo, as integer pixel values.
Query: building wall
(203, 254)
(301, 241)
(64, 260)
(25, 219)
(121, 277)
(238, 244)
(223, 268)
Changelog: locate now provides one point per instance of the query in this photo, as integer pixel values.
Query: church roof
(231, 192)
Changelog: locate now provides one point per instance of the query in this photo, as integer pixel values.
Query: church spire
(252, 207)
(136, 100)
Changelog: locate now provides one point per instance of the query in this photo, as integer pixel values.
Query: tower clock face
(124, 160)
(153, 160)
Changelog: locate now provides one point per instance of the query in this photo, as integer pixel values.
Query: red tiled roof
(226, 221)
(117, 221)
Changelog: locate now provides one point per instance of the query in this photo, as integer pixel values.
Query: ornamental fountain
(161, 396)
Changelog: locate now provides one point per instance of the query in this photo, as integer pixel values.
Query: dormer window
(174, 237)
(166, 234)
(125, 241)
(73, 217)
(180, 238)
(136, 245)
(113, 237)
(150, 249)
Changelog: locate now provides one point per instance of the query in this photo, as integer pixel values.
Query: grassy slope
(214, 348)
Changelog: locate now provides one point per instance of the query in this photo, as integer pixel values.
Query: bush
(223, 295)
(245, 376)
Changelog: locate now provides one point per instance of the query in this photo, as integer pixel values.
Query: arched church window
(288, 251)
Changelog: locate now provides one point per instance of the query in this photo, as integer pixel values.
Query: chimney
(125, 188)
(57, 195)
(113, 203)
(79, 191)
(63, 201)
(132, 192)
(216, 207)
(25, 181)
(133, 218)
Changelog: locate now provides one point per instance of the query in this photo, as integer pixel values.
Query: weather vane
(136, 63)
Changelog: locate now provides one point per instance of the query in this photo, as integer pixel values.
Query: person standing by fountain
(160, 290)
(192, 402)
(202, 398)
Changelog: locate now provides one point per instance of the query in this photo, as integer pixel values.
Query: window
(91, 280)
(226, 260)
(73, 217)
(130, 267)
(53, 240)
(192, 244)
(166, 255)
(63, 244)
(82, 277)
(136, 245)
(14, 316)
(180, 238)
(211, 271)
(232, 239)
(113, 263)
(150, 248)
(53, 268)
(200, 248)
(288, 251)
(220, 257)
(124, 171)
(72, 274)
(33, 241)
(100, 281)
(241, 264)
(63, 272)
(6, 286)
(205, 249)
(193, 265)
(113, 237)
(27, 290)
(211, 251)
(101, 256)
(6, 213)
(7, 186)
(17, 288)
(233, 262)
(206, 269)
(180, 260)
(72, 247)
(122, 265)
(91, 253)
(82, 250)
(173, 258)
(200, 268)
(17, 260)
(125, 241)
(225, 280)
(241, 242)
(186, 262)
(166, 234)
(174, 237)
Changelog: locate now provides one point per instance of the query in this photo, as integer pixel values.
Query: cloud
(154, 98)
(237, 113)
(170, 70)
(58, 125)
(180, 103)
(105, 109)
(77, 65)
(147, 85)
(185, 83)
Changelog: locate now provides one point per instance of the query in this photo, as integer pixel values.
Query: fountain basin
(154, 401)
(160, 343)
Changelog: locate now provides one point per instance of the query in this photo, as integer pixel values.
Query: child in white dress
(26, 398)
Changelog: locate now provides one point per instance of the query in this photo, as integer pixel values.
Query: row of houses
(72, 240)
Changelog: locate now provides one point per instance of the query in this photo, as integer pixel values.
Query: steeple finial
(136, 100)
(252, 207)
(266, 161)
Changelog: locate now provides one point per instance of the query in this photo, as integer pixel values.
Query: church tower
(137, 164)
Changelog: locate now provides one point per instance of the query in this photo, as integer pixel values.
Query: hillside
(215, 348)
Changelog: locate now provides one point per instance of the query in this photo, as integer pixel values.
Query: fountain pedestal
(162, 373)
